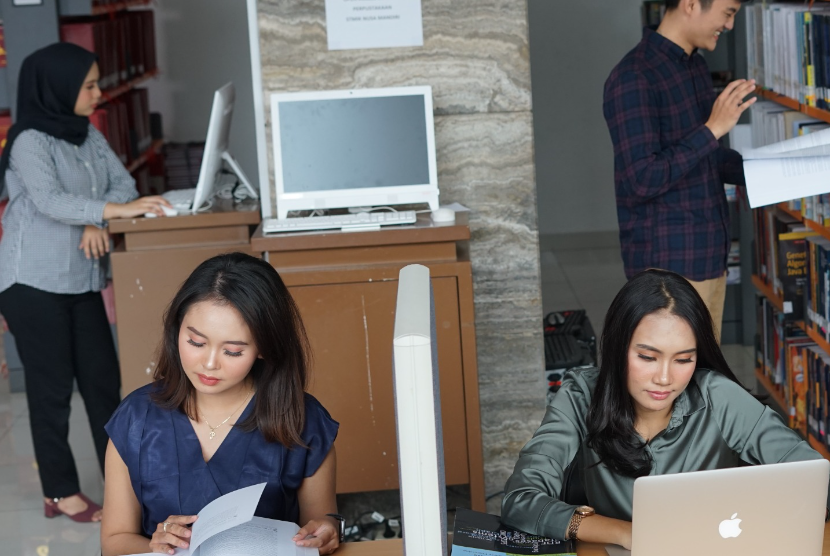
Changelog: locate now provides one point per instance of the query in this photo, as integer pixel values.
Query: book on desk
(481, 534)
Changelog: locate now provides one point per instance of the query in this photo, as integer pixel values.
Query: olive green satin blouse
(715, 424)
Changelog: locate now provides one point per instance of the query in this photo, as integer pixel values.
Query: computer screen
(354, 148)
(416, 381)
(216, 148)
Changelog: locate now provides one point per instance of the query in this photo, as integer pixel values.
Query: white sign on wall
(373, 23)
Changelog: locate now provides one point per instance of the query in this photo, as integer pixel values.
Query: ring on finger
(166, 523)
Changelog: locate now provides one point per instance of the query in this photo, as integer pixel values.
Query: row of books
(799, 371)
(777, 353)
(125, 43)
(781, 257)
(788, 50)
(816, 365)
(125, 122)
(182, 163)
(817, 291)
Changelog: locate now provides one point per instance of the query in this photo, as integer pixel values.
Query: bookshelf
(117, 6)
(765, 384)
(792, 104)
(154, 148)
(115, 92)
(124, 41)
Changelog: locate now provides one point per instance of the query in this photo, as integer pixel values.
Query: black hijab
(50, 80)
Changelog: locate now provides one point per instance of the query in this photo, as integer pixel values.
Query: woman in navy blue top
(227, 409)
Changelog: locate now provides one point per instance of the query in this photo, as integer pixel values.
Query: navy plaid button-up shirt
(669, 169)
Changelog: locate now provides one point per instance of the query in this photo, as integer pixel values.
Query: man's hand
(729, 106)
(95, 242)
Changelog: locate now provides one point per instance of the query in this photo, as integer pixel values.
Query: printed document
(227, 527)
(791, 169)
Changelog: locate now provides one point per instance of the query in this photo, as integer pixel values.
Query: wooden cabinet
(345, 285)
(156, 256)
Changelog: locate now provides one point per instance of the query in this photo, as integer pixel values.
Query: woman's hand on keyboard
(140, 206)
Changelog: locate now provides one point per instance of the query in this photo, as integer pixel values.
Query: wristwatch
(342, 521)
(580, 513)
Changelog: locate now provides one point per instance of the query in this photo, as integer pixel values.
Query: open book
(791, 169)
(227, 527)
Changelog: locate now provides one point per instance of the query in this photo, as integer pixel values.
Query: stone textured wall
(475, 56)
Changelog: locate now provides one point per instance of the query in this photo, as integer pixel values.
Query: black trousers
(63, 338)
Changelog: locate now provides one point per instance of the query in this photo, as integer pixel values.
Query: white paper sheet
(373, 24)
(230, 510)
(791, 169)
(258, 537)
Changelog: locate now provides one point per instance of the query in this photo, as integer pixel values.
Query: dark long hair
(611, 415)
(280, 376)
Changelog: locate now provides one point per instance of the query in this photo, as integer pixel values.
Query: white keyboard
(359, 221)
(181, 199)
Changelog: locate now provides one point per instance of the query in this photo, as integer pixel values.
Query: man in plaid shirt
(669, 166)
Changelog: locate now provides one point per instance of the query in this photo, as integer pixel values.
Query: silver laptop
(744, 511)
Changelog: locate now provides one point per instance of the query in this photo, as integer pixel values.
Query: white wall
(573, 47)
(201, 45)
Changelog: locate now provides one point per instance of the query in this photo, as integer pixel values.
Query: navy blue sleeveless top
(170, 476)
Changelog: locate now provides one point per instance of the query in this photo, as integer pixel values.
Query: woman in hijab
(64, 183)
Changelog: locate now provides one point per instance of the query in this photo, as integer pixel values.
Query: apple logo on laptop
(730, 528)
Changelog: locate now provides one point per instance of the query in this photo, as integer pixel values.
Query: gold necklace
(213, 429)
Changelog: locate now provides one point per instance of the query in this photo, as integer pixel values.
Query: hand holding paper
(227, 527)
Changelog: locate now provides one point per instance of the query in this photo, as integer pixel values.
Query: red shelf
(118, 6)
(110, 94)
(145, 156)
(793, 104)
(794, 213)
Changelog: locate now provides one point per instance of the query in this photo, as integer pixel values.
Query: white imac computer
(216, 151)
(354, 148)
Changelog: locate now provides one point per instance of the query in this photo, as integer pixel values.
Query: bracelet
(573, 526)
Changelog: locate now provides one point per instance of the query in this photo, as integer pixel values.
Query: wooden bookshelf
(767, 385)
(767, 291)
(118, 6)
(145, 156)
(792, 104)
(815, 336)
(112, 93)
(794, 213)
(770, 389)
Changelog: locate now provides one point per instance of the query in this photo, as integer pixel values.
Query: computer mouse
(168, 211)
(443, 215)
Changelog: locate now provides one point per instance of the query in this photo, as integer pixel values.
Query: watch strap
(573, 526)
(342, 521)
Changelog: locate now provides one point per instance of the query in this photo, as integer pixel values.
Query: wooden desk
(156, 256)
(345, 284)
(394, 547)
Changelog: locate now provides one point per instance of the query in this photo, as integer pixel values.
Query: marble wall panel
(475, 56)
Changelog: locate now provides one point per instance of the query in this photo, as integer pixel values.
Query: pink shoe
(50, 509)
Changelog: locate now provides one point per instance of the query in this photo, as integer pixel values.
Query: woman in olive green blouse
(662, 401)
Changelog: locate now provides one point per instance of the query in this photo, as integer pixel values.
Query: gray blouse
(715, 424)
(56, 188)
